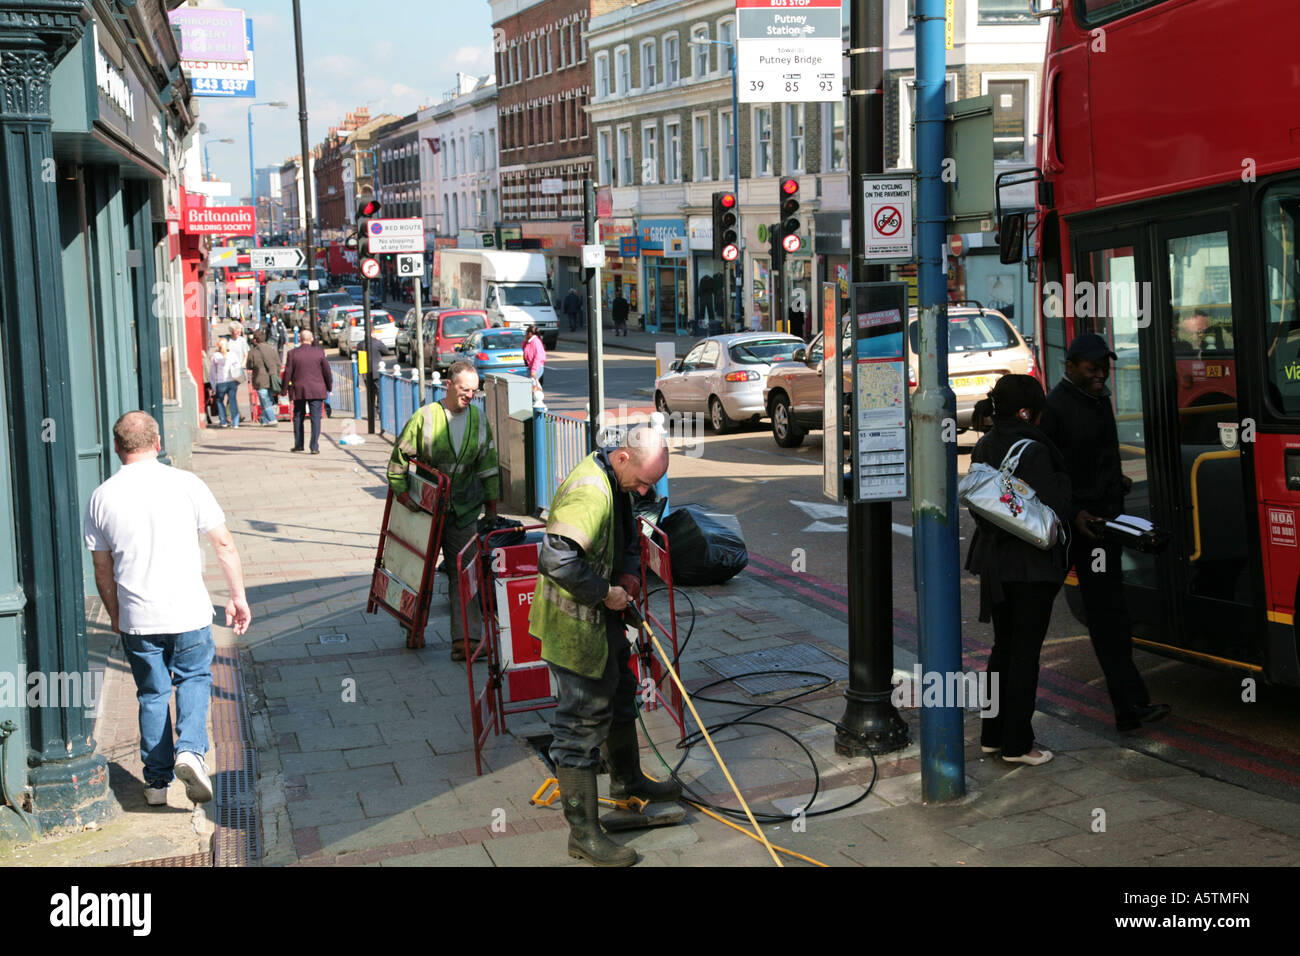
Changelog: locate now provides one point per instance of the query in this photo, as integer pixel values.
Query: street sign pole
(419, 339)
(870, 723)
(595, 358)
(365, 346)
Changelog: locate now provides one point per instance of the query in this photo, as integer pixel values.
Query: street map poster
(879, 397)
(832, 395)
(789, 51)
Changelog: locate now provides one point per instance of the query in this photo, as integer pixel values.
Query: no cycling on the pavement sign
(789, 51)
(887, 204)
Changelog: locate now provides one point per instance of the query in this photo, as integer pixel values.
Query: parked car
(494, 351)
(982, 347)
(723, 375)
(355, 290)
(382, 326)
(444, 331)
(334, 322)
(324, 302)
(287, 302)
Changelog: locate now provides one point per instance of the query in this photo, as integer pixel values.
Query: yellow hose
(737, 826)
(762, 838)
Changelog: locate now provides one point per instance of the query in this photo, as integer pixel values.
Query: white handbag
(1006, 502)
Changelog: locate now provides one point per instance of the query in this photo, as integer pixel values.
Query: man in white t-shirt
(142, 526)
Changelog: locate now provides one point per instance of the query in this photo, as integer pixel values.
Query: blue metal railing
(559, 444)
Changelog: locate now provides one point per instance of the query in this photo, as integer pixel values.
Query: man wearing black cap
(1081, 422)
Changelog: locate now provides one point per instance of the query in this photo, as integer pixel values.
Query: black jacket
(998, 557)
(1083, 428)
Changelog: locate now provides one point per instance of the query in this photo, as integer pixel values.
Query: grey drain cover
(332, 638)
(792, 657)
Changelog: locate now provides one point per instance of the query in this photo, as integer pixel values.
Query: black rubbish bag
(706, 547)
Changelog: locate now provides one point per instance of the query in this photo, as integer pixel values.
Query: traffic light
(790, 239)
(367, 210)
(777, 250)
(724, 227)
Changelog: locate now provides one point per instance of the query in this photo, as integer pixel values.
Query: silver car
(723, 376)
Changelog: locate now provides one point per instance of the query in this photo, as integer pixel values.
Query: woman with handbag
(1019, 580)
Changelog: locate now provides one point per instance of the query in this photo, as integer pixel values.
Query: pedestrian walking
(1080, 420)
(142, 527)
(454, 437)
(572, 305)
(277, 334)
(264, 363)
(534, 355)
(1018, 581)
(587, 575)
(221, 374)
(309, 378)
(621, 308)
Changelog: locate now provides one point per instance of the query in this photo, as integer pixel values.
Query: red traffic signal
(368, 208)
(726, 200)
(789, 186)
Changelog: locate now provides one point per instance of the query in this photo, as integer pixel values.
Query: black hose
(752, 710)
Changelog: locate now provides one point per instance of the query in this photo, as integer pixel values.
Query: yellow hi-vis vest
(573, 634)
(473, 471)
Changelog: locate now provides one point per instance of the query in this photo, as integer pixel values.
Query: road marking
(818, 510)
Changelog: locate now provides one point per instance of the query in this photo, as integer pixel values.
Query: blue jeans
(159, 662)
(268, 406)
(586, 708)
(228, 392)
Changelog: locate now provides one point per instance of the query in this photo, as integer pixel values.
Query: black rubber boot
(587, 841)
(625, 776)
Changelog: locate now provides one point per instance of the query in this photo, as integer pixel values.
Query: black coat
(997, 556)
(1083, 428)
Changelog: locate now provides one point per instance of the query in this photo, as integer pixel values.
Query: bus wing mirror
(1011, 237)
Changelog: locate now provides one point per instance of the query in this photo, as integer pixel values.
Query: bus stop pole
(934, 433)
(595, 360)
(870, 722)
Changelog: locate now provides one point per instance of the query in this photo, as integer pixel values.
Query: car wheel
(785, 432)
(661, 404)
(718, 416)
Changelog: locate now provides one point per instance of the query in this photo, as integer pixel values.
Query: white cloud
(472, 58)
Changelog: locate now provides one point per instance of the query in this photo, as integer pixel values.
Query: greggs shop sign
(655, 234)
(221, 220)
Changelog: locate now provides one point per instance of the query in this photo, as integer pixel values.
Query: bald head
(306, 338)
(641, 460)
(136, 436)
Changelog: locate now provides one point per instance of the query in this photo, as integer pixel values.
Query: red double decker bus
(1167, 221)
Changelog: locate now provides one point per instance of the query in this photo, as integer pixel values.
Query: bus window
(1281, 220)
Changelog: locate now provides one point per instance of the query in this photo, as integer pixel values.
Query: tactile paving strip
(792, 657)
(236, 840)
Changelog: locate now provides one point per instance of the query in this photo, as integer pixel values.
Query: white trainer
(189, 767)
(155, 796)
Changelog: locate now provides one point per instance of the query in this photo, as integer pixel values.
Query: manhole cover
(774, 661)
(333, 638)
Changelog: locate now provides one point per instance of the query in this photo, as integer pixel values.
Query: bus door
(1211, 563)
(1116, 260)
(1174, 386)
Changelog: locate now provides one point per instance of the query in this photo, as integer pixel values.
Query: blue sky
(390, 55)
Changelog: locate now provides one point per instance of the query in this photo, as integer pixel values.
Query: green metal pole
(68, 780)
